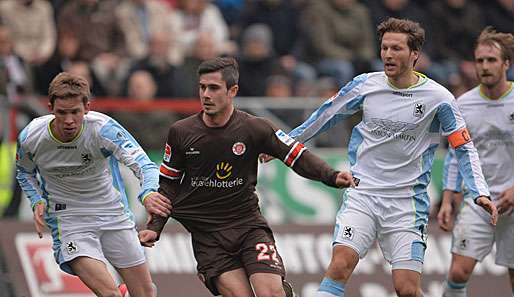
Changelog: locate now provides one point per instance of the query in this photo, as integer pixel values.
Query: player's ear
(232, 92)
(86, 108)
(50, 107)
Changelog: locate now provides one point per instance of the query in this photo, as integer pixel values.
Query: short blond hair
(66, 85)
(504, 41)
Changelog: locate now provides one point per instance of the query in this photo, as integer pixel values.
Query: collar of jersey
(501, 97)
(57, 140)
(422, 80)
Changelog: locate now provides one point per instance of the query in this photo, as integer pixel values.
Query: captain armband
(459, 137)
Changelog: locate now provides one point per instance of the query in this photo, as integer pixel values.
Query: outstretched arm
(118, 142)
(452, 184)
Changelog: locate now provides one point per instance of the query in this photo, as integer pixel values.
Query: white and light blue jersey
(81, 177)
(491, 125)
(392, 149)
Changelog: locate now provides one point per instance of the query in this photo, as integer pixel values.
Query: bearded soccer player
(67, 164)
(391, 153)
(209, 173)
(489, 113)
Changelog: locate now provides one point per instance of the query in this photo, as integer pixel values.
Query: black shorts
(250, 248)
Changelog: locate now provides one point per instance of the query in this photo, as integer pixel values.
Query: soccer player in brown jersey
(209, 174)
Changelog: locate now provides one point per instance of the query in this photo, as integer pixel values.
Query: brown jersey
(209, 174)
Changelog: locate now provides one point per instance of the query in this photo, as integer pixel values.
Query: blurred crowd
(150, 49)
(145, 49)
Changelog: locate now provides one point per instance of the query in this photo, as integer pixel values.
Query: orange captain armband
(459, 137)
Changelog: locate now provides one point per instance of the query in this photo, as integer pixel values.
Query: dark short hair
(226, 65)
(415, 33)
(505, 41)
(66, 85)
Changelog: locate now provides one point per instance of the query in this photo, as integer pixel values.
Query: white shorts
(110, 239)
(474, 236)
(399, 225)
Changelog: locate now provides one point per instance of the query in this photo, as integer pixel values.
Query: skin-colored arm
(450, 201)
(39, 221)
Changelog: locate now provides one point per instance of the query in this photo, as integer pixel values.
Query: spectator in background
(203, 50)
(381, 10)
(230, 9)
(281, 16)
(200, 16)
(83, 69)
(278, 86)
(340, 39)
(140, 19)
(499, 14)
(32, 25)
(95, 25)
(156, 63)
(15, 79)
(65, 53)
(101, 40)
(457, 24)
(257, 60)
(141, 86)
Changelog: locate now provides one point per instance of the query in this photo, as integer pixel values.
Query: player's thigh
(213, 259)
(94, 274)
(122, 248)
(356, 222)
(74, 237)
(234, 283)
(259, 253)
(472, 236)
(267, 284)
(505, 241)
(402, 231)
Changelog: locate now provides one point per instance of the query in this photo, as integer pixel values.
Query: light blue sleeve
(119, 143)
(346, 102)
(26, 172)
(452, 179)
(467, 156)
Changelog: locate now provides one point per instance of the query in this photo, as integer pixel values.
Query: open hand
(39, 221)
(489, 206)
(155, 203)
(445, 217)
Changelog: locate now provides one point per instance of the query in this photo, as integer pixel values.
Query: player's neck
(219, 119)
(497, 91)
(409, 79)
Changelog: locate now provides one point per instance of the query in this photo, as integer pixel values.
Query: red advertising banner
(306, 251)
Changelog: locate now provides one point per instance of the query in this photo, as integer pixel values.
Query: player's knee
(340, 269)
(272, 291)
(459, 273)
(405, 289)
